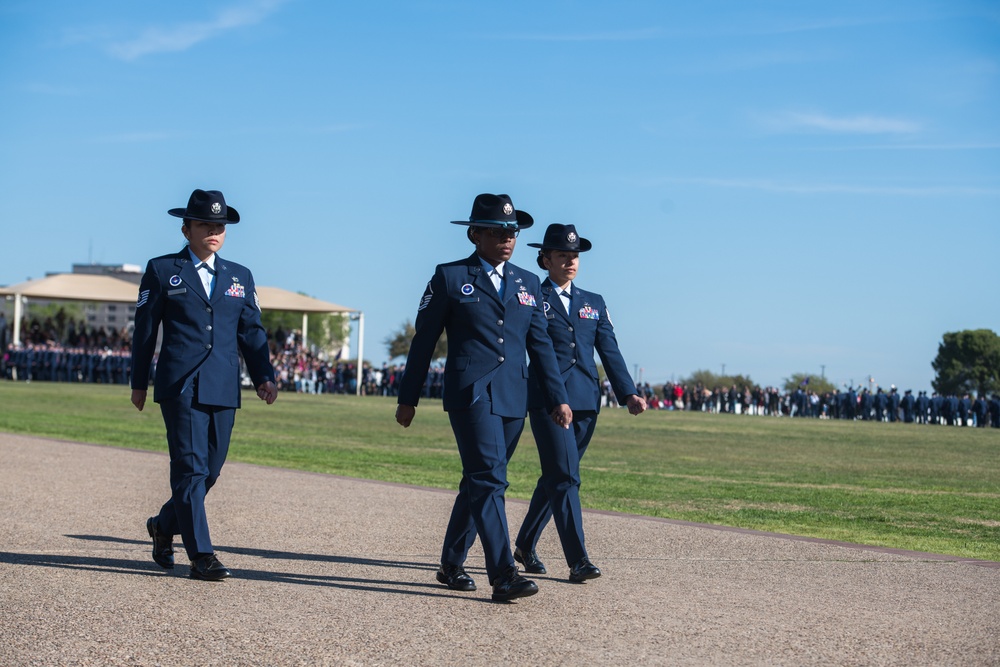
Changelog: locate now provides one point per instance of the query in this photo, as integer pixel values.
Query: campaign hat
(207, 206)
(496, 211)
(562, 237)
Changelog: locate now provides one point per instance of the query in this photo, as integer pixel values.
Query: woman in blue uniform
(492, 314)
(209, 312)
(578, 323)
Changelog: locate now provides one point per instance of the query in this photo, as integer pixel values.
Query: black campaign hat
(563, 237)
(496, 211)
(207, 206)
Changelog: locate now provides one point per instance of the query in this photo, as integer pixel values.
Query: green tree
(397, 344)
(820, 385)
(968, 361)
(710, 380)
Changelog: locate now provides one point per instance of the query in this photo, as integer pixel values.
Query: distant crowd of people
(850, 403)
(102, 356)
(78, 354)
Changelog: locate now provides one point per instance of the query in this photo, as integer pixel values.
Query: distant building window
(91, 318)
(111, 318)
(112, 307)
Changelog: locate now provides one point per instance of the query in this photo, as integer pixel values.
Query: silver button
(208, 346)
(208, 328)
(571, 328)
(572, 361)
(499, 340)
(500, 359)
(572, 344)
(499, 323)
(208, 310)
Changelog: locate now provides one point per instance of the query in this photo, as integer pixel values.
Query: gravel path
(337, 571)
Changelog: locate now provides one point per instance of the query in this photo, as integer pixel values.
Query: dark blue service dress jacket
(575, 337)
(487, 339)
(201, 335)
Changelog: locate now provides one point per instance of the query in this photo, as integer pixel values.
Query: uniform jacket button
(572, 361)
(572, 344)
(571, 328)
(208, 328)
(500, 359)
(499, 340)
(499, 323)
(208, 309)
(208, 346)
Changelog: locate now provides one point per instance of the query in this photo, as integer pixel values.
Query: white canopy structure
(107, 289)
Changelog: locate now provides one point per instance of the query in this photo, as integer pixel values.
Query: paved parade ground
(337, 571)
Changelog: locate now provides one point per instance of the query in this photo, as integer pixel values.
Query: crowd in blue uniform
(101, 357)
(850, 403)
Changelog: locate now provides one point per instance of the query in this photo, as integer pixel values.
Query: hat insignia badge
(507, 209)
(216, 208)
(571, 237)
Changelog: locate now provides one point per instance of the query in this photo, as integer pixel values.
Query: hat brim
(232, 216)
(585, 245)
(524, 221)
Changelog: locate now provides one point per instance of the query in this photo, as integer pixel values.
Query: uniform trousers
(198, 440)
(485, 444)
(557, 494)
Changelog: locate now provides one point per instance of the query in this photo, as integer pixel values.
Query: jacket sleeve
(611, 357)
(148, 313)
(252, 339)
(432, 313)
(543, 357)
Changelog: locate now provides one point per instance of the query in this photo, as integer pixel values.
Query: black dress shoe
(455, 578)
(163, 545)
(208, 568)
(583, 570)
(511, 584)
(529, 559)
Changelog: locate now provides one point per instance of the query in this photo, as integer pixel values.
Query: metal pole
(17, 320)
(305, 331)
(361, 350)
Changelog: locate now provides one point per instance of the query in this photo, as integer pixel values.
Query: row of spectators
(97, 355)
(864, 405)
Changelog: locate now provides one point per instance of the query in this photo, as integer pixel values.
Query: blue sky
(778, 187)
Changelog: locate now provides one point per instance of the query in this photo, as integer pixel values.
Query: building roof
(87, 287)
(76, 287)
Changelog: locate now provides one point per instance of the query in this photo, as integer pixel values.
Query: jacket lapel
(187, 272)
(223, 279)
(555, 301)
(480, 280)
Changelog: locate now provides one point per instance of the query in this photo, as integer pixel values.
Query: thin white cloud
(136, 137)
(50, 89)
(180, 37)
(832, 188)
(984, 146)
(613, 36)
(818, 122)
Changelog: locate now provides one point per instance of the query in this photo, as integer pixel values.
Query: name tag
(171, 292)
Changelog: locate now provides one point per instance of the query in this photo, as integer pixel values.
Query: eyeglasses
(500, 232)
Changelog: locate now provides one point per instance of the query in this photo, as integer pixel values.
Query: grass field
(906, 486)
